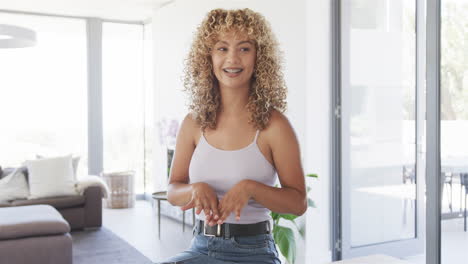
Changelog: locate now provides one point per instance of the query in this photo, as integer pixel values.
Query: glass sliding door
(123, 100)
(454, 130)
(381, 199)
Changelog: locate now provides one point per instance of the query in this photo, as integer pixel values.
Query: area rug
(101, 246)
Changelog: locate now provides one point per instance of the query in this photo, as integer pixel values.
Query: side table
(162, 196)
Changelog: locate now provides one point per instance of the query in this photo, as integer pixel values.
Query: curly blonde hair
(268, 89)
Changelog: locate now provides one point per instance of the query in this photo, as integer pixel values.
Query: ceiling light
(16, 37)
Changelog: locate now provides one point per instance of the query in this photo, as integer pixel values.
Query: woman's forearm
(179, 194)
(280, 200)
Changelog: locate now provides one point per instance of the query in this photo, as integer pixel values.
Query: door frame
(336, 188)
(433, 166)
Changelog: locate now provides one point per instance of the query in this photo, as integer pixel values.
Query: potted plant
(284, 236)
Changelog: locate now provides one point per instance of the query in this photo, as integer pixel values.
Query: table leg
(461, 195)
(159, 219)
(451, 193)
(193, 217)
(464, 223)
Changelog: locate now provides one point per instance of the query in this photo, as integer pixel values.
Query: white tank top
(222, 169)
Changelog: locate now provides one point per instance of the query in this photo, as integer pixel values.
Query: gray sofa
(80, 211)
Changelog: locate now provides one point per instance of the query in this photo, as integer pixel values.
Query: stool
(34, 234)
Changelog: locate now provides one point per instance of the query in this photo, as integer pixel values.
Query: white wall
(318, 141)
(303, 30)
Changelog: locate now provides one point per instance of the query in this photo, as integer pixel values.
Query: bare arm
(291, 197)
(180, 192)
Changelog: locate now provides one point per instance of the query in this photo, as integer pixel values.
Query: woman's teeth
(232, 70)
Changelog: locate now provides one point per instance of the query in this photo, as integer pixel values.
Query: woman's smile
(233, 72)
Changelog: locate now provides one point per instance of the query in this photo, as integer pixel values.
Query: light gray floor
(139, 227)
(454, 244)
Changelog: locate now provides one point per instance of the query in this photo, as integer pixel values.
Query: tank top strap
(202, 137)
(256, 136)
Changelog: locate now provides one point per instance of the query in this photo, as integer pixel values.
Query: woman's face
(233, 57)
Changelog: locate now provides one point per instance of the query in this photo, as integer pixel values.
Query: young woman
(235, 142)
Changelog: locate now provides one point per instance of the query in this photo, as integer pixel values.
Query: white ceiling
(127, 10)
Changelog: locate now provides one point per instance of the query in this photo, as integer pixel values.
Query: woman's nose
(232, 57)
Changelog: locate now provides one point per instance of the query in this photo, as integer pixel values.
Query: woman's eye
(245, 49)
(222, 49)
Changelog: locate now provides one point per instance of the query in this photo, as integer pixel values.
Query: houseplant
(284, 236)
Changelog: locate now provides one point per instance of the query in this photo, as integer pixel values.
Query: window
(453, 129)
(149, 107)
(123, 100)
(378, 128)
(43, 110)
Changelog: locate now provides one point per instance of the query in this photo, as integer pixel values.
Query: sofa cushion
(75, 161)
(51, 177)
(29, 221)
(7, 171)
(14, 186)
(57, 202)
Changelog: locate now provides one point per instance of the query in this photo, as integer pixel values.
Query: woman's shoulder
(190, 126)
(278, 126)
(277, 120)
(189, 120)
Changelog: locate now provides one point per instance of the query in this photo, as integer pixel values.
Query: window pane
(453, 129)
(149, 107)
(123, 104)
(378, 133)
(43, 110)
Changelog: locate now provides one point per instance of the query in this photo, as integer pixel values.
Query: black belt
(227, 230)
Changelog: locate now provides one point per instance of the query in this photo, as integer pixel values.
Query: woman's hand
(203, 198)
(234, 200)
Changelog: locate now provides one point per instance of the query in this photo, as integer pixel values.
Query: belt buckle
(218, 231)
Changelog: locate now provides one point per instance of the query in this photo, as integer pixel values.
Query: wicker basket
(121, 185)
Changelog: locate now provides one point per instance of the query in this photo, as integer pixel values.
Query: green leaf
(275, 216)
(312, 175)
(288, 216)
(302, 231)
(286, 242)
(308, 189)
(310, 203)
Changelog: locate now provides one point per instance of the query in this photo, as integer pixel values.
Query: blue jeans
(217, 250)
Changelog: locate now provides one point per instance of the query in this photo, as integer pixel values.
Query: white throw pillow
(51, 177)
(75, 162)
(14, 186)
